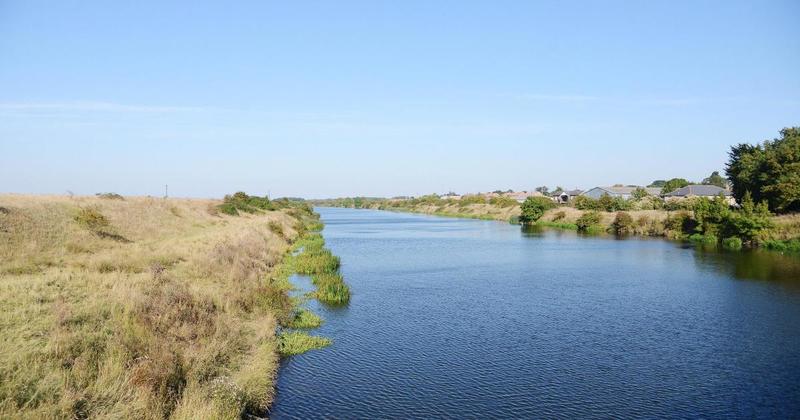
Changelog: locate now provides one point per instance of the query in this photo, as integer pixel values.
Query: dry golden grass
(169, 311)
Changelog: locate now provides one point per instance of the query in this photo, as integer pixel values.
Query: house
(565, 196)
(523, 195)
(707, 191)
(623, 192)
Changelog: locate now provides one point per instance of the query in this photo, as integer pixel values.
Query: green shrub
(276, 228)
(749, 223)
(503, 201)
(110, 196)
(514, 220)
(707, 239)
(623, 224)
(534, 207)
(732, 243)
(471, 199)
(583, 202)
(240, 202)
(680, 223)
(792, 245)
(612, 204)
(91, 218)
(560, 215)
(588, 221)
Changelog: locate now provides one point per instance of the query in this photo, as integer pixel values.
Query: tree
(639, 193)
(558, 190)
(710, 214)
(533, 209)
(749, 222)
(543, 189)
(673, 184)
(657, 183)
(769, 172)
(715, 179)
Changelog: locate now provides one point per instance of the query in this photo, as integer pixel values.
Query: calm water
(465, 319)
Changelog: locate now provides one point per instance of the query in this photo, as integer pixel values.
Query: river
(478, 319)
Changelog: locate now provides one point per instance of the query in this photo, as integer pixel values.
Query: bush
(91, 218)
(623, 224)
(732, 243)
(276, 228)
(708, 239)
(748, 223)
(503, 201)
(583, 202)
(588, 222)
(471, 199)
(559, 216)
(612, 204)
(534, 207)
(110, 196)
(679, 224)
(792, 245)
(241, 202)
(514, 220)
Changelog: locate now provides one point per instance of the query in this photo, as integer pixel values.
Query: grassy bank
(444, 208)
(142, 307)
(645, 217)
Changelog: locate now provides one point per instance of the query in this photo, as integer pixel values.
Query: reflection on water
(753, 265)
(464, 318)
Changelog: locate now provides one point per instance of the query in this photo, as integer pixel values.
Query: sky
(384, 98)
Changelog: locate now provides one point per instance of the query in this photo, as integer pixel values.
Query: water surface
(477, 319)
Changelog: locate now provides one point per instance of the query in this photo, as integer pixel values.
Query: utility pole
(166, 191)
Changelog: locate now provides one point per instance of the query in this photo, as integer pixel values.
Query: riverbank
(449, 209)
(142, 307)
(782, 236)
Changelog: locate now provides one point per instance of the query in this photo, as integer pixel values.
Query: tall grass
(177, 322)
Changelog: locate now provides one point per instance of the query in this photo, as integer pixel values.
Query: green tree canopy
(716, 179)
(639, 193)
(769, 171)
(657, 183)
(533, 209)
(673, 184)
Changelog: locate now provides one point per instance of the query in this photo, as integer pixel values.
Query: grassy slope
(176, 317)
(471, 211)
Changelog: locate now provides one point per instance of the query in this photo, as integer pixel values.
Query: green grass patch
(305, 319)
(295, 342)
(331, 288)
(733, 243)
(557, 225)
(792, 245)
(707, 239)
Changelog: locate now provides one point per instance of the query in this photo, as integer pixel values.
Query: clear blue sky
(383, 98)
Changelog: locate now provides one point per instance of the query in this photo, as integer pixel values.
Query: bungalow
(624, 192)
(707, 191)
(562, 197)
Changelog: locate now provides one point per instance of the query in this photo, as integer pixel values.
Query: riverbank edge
(553, 219)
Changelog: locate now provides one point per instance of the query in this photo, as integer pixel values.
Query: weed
(305, 319)
(295, 342)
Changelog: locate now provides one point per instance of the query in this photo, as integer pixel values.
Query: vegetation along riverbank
(763, 179)
(154, 308)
